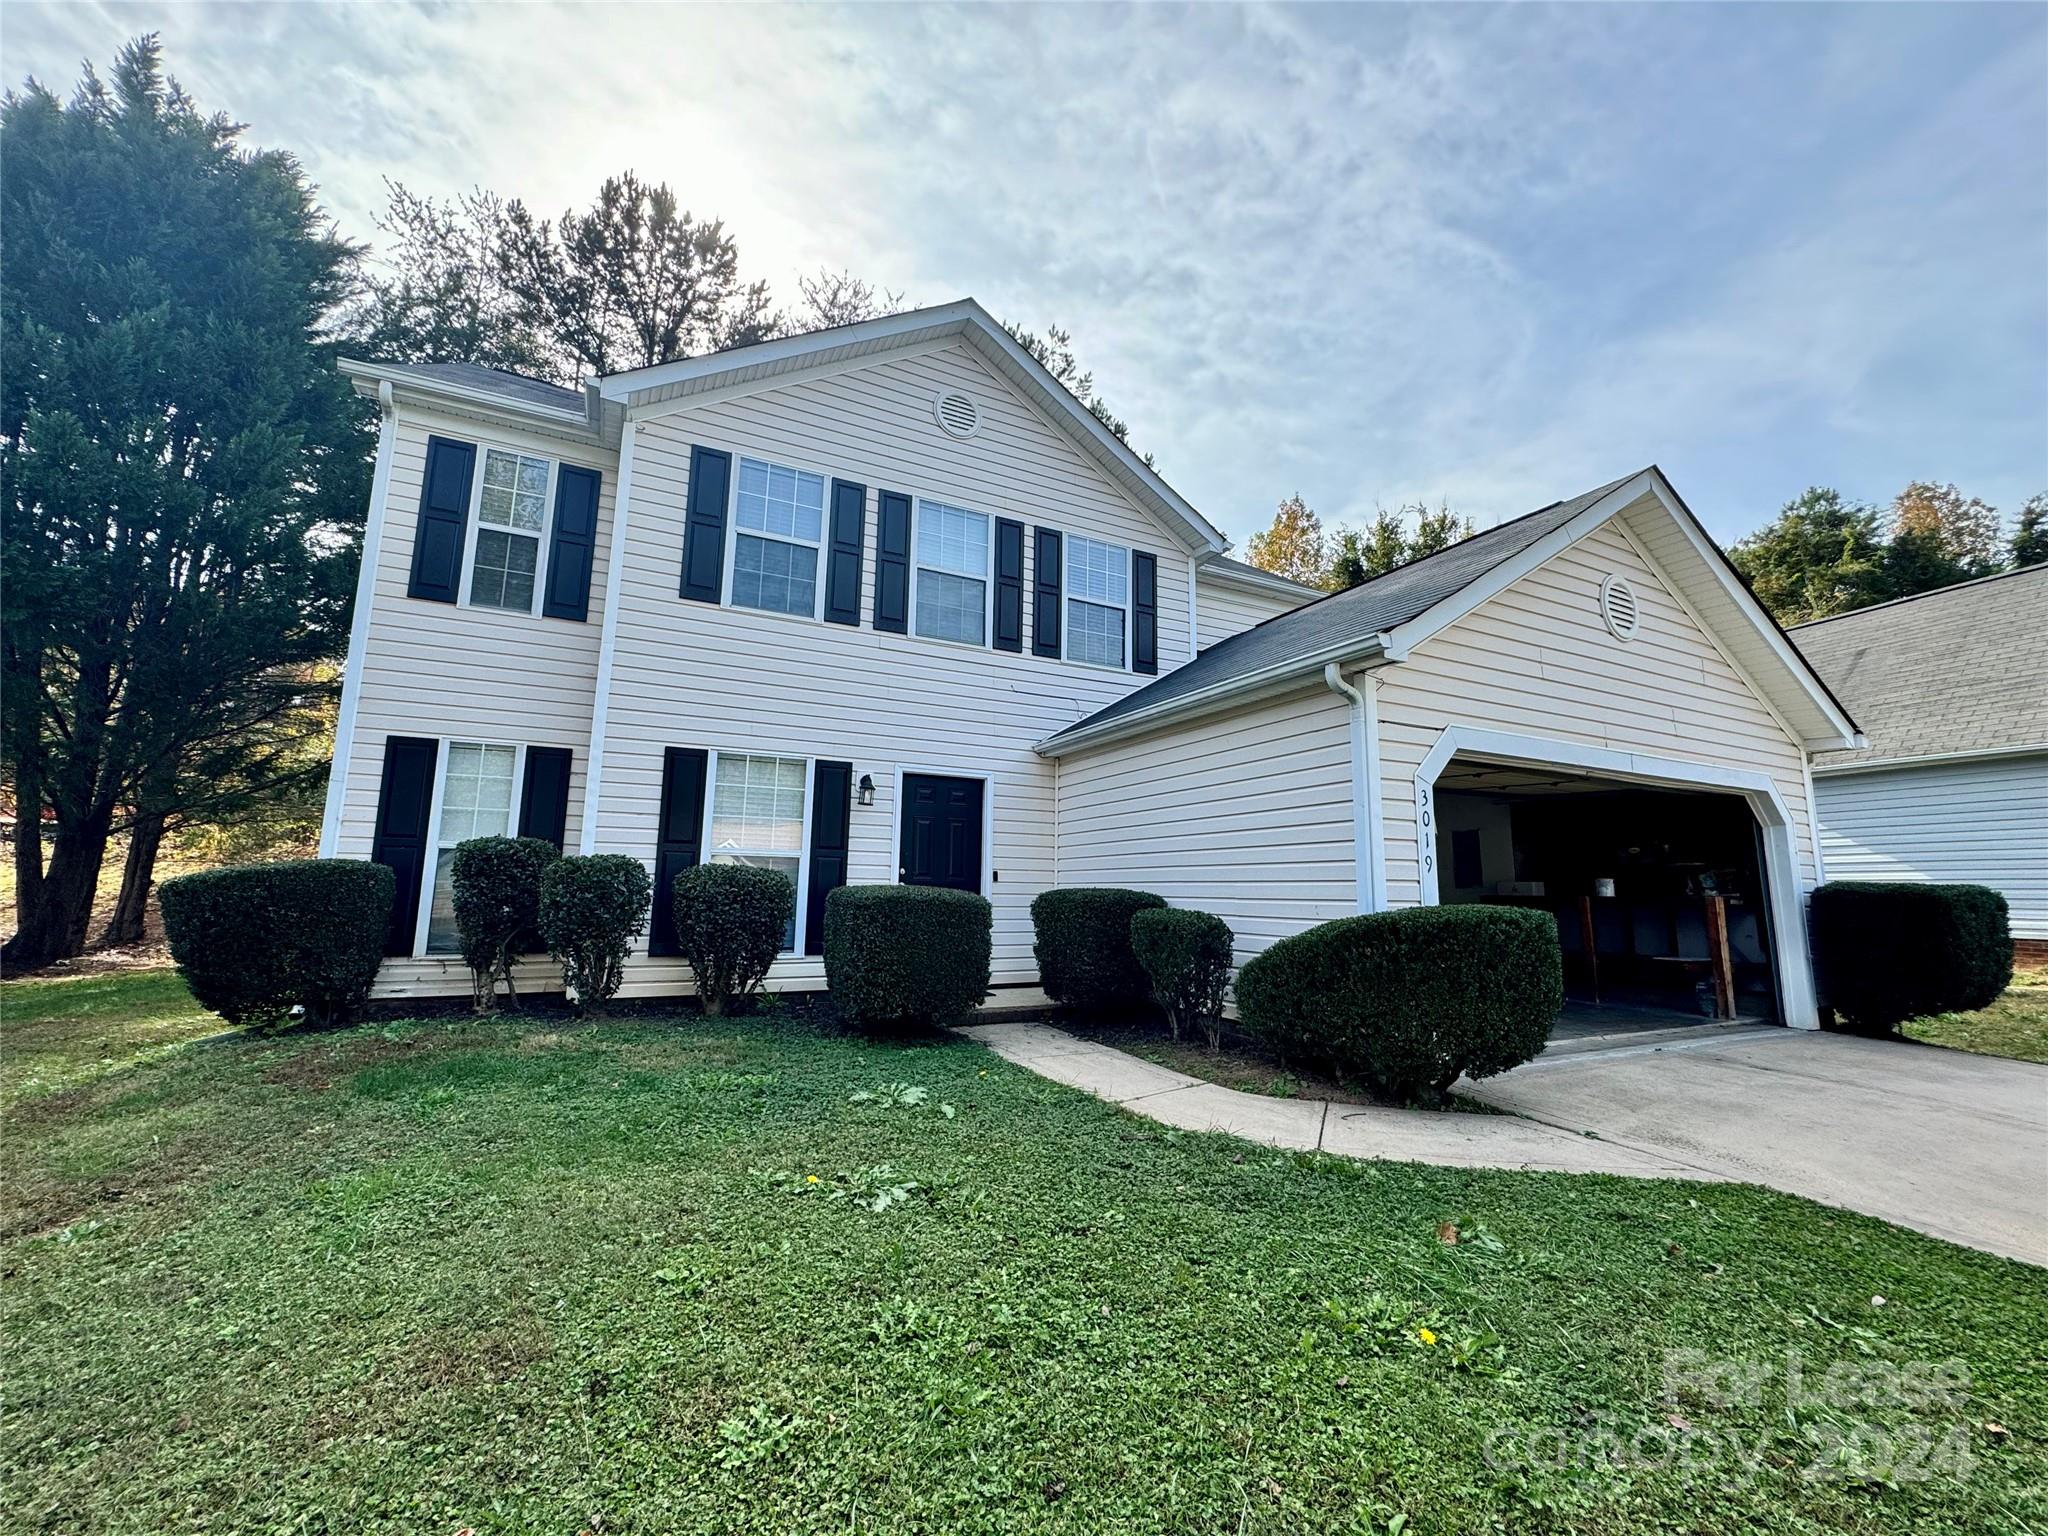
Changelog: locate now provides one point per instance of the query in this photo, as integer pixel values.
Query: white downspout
(359, 627)
(1368, 842)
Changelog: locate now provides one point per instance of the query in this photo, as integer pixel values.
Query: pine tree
(1820, 556)
(2030, 537)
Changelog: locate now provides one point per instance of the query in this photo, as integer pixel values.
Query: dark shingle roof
(1962, 669)
(496, 381)
(1354, 615)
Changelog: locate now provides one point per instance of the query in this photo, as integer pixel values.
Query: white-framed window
(951, 582)
(759, 813)
(474, 795)
(509, 519)
(778, 537)
(1098, 602)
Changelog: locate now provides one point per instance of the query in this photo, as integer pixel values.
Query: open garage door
(1660, 894)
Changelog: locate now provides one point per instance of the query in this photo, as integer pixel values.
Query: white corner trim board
(1796, 998)
(359, 626)
(608, 639)
(1368, 841)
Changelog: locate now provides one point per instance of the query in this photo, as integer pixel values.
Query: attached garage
(1599, 649)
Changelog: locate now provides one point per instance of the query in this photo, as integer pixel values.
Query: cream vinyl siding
(1223, 609)
(1537, 659)
(460, 673)
(1247, 815)
(1981, 823)
(688, 674)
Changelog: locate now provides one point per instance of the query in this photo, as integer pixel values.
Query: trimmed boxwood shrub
(900, 956)
(1187, 955)
(1887, 951)
(497, 907)
(1411, 999)
(257, 941)
(592, 907)
(1083, 945)
(729, 923)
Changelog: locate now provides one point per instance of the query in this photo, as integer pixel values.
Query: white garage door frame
(1786, 900)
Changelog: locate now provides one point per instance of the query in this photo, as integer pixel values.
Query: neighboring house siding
(463, 673)
(1223, 609)
(688, 674)
(1536, 659)
(1247, 815)
(1984, 823)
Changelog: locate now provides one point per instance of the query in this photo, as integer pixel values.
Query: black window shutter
(892, 563)
(1045, 592)
(1009, 585)
(680, 839)
(843, 552)
(573, 545)
(444, 521)
(704, 526)
(405, 801)
(1144, 612)
(831, 825)
(544, 803)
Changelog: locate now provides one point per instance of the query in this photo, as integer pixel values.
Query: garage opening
(1659, 894)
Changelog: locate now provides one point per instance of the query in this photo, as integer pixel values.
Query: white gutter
(359, 627)
(1368, 847)
(439, 389)
(1929, 759)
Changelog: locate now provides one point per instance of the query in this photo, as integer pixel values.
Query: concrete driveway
(1948, 1143)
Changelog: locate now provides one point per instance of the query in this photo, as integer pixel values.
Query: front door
(941, 832)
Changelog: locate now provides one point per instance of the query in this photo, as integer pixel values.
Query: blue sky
(1369, 254)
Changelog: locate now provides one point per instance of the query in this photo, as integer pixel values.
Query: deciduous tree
(1293, 546)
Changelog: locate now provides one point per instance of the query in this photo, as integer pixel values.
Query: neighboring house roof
(1954, 672)
(1387, 615)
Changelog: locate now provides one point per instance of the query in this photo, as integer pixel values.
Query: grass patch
(726, 1276)
(2015, 1026)
(61, 1032)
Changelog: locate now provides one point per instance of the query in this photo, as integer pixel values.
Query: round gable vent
(1618, 608)
(957, 414)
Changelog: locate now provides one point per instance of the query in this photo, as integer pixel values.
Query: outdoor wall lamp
(867, 789)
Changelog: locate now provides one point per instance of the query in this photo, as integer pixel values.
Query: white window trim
(988, 816)
(476, 527)
(988, 575)
(734, 532)
(433, 852)
(803, 855)
(1068, 598)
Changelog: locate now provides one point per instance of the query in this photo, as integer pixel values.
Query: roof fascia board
(478, 400)
(721, 393)
(1928, 760)
(623, 386)
(1206, 701)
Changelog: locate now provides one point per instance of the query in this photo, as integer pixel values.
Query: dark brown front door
(941, 832)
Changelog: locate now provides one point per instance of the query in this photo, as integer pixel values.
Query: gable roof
(1387, 616)
(964, 320)
(1961, 670)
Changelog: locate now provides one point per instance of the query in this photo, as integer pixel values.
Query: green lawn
(534, 1277)
(2016, 1025)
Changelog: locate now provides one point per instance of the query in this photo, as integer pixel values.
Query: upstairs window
(952, 579)
(757, 818)
(1098, 601)
(780, 516)
(511, 512)
(476, 801)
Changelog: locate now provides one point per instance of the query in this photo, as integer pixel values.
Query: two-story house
(885, 602)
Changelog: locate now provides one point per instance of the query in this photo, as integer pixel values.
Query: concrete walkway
(1944, 1142)
(1354, 1130)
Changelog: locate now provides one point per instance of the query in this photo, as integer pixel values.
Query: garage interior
(1658, 893)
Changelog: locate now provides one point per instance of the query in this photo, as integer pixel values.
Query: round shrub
(730, 920)
(1409, 1000)
(1887, 951)
(900, 956)
(1187, 956)
(255, 942)
(592, 907)
(1083, 945)
(497, 907)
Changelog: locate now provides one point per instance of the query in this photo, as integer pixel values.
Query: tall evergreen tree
(1054, 352)
(1820, 556)
(181, 467)
(2030, 537)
